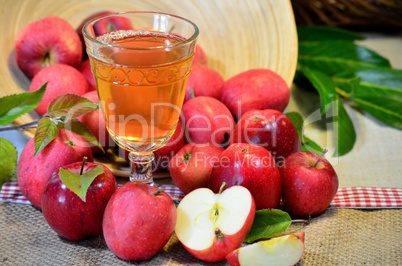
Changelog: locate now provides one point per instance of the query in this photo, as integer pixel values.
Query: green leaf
(309, 145)
(343, 129)
(8, 161)
(379, 92)
(306, 143)
(346, 86)
(318, 33)
(72, 105)
(324, 85)
(387, 77)
(382, 102)
(46, 132)
(79, 184)
(13, 106)
(268, 223)
(81, 129)
(333, 57)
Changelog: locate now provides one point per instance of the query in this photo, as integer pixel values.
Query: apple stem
(192, 94)
(321, 156)
(158, 191)
(221, 188)
(218, 233)
(82, 165)
(301, 221)
(186, 157)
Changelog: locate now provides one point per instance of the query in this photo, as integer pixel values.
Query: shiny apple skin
(67, 214)
(250, 166)
(270, 129)
(137, 224)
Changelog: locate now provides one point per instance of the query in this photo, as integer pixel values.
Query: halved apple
(284, 250)
(210, 225)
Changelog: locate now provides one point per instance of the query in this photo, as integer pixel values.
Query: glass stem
(141, 167)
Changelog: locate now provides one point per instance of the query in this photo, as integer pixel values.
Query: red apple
(210, 226)
(200, 57)
(61, 79)
(164, 154)
(86, 71)
(81, 26)
(191, 167)
(207, 120)
(270, 129)
(46, 42)
(34, 172)
(203, 81)
(138, 221)
(309, 183)
(112, 23)
(70, 216)
(255, 89)
(283, 250)
(250, 166)
(96, 123)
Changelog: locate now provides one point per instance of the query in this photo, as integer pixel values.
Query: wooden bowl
(236, 35)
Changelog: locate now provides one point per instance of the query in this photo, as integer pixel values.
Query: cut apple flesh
(203, 216)
(285, 250)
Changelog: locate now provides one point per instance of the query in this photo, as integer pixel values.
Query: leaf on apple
(268, 223)
(306, 143)
(13, 106)
(81, 129)
(46, 132)
(8, 161)
(79, 184)
(72, 105)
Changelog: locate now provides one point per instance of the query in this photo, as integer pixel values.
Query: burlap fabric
(337, 237)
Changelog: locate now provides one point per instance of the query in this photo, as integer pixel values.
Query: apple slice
(210, 225)
(284, 250)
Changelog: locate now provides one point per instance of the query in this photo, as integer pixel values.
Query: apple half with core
(285, 250)
(309, 183)
(210, 225)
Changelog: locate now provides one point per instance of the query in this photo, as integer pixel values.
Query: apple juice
(141, 91)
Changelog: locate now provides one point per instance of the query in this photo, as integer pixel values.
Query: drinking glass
(141, 62)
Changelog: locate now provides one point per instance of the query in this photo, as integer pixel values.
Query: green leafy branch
(340, 70)
(62, 113)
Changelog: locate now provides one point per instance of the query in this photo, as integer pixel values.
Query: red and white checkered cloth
(353, 197)
(367, 197)
(11, 192)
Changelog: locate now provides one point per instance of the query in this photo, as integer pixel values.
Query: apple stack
(234, 152)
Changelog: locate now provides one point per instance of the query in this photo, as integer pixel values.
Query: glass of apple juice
(141, 62)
